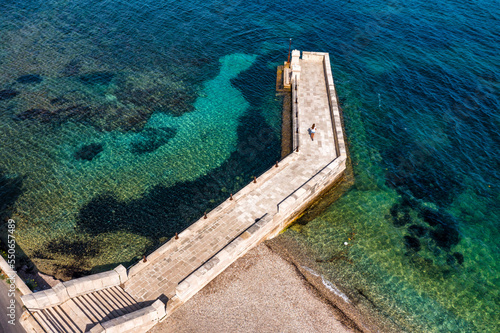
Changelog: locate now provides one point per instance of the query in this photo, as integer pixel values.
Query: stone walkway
(81, 313)
(162, 275)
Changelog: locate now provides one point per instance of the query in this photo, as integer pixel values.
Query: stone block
(160, 308)
(127, 325)
(78, 287)
(181, 289)
(70, 289)
(97, 329)
(137, 268)
(122, 273)
(107, 279)
(61, 292)
(87, 285)
(113, 329)
(30, 301)
(52, 296)
(96, 282)
(43, 300)
(111, 280)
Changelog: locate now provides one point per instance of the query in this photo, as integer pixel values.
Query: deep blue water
(122, 121)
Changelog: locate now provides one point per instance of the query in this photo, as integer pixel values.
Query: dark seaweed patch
(88, 152)
(459, 257)
(74, 112)
(163, 211)
(172, 100)
(432, 217)
(445, 236)
(72, 68)
(58, 101)
(412, 243)
(101, 78)
(417, 230)
(10, 190)
(151, 139)
(30, 79)
(445, 227)
(8, 94)
(76, 248)
(400, 215)
(41, 115)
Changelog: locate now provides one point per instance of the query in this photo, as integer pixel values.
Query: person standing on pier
(312, 130)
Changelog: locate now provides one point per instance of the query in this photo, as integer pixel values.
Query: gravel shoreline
(260, 292)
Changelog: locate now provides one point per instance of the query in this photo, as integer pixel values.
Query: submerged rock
(41, 115)
(8, 94)
(88, 152)
(445, 227)
(445, 236)
(72, 68)
(151, 139)
(30, 78)
(400, 215)
(459, 257)
(74, 112)
(417, 230)
(412, 243)
(101, 78)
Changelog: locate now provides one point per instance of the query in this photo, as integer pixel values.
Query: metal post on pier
(289, 49)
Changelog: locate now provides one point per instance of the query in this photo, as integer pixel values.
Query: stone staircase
(96, 304)
(82, 313)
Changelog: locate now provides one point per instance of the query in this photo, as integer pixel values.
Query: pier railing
(295, 117)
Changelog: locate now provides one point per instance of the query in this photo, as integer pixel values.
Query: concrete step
(52, 322)
(116, 306)
(63, 322)
(33, 323)
(126, 298)
(76, 305)
(75, 322)
(42, 320)
(110, 310)
(100, 312)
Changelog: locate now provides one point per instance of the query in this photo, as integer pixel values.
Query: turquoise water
(122, 122)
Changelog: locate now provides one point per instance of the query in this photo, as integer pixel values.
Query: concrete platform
(133, 300)
(162, 273)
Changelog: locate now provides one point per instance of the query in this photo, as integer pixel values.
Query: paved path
(163, 274)
(4, 302)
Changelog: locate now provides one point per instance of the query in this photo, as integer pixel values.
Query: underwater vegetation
(30, 78)
(88, 152)
(165, 210)
(107, 100)
(7, 94)
(151, 139)
(99, 78)
(11, 187)
(437, 229)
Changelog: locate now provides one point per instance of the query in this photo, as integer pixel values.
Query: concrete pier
(181, 267)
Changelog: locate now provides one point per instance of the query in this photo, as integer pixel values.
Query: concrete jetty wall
(13, 277)
(289, 208)
(262, 209)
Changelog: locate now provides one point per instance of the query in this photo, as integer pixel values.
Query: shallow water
(122, 122)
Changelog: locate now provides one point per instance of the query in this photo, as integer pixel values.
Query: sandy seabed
(260, 292)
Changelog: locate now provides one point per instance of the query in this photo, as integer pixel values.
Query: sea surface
(122, 122)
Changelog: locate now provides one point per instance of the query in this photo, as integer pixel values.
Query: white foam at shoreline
(329, 285)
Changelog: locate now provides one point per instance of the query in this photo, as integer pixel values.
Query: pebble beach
(260, 292)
